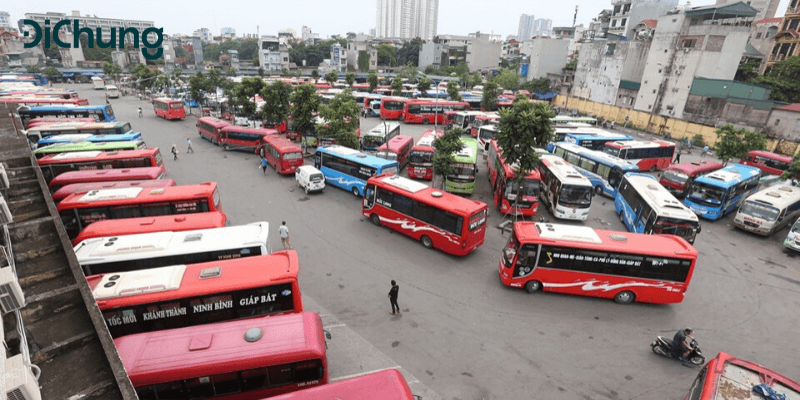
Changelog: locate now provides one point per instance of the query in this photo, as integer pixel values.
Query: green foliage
(735, 143)
(94, 53)
(261, 72)
(536, 85)
(508, 79)
(409, 71)
(698, 140)
(144, 77)
(490, 93)
(348, 139)
(387, 55)
(180, 52)
(452, 89)
(794, 170)
(424, 85)
(198, 84)
(33, 69)
(306, 102)
(350, 78)
(523, 127)
(230, 71)
(247, 49)
(372, 79)
(748, 69)
(341, 115)
(51, 72)
(473, 80)
(397, 86)
(331, 77)
(313, 54)
(363, 60)
(315, 74)
(460, 69)
(277, 98)
(573, 63)
(161, 82)
(409, 53)
(244, 96)
(446, 146)
(509, 63)
(111, 69)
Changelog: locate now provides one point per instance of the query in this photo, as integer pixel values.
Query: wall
(784, 124)
(547, 56)
(483, 52)
(601, 72)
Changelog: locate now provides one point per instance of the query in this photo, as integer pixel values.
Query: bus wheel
(375, 219)
(533, 286)
(426, 241)
(226, 147)
(624, 297)
(653, 168)
(355, 191)
(598, 189)
(425, 122)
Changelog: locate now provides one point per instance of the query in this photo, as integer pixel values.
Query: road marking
(363, 373)
(333, 326)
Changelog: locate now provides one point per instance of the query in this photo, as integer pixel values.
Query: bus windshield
(463, 171)
(707, 195)
(510, 251)
(373, 141)
(530, 187)
(760, 211)
(418, 157)
(677, 227)
(675, 176)
(577, 196)
(610, 150)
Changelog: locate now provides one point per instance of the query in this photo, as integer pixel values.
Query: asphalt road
(465, 335)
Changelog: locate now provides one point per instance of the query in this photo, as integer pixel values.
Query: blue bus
(85, 137)
(102, 113)
(473, 101)
(349, 169)
(375, 108)
(588, 137)
(717, 193)
(644, 206)
(603, 170)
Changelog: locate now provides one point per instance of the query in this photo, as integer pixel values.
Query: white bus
(566, 192)
(769, 210)
(112, 92)
(159, 249)
(485, 135)
(793, 238)
(98, 82)
(377, 136)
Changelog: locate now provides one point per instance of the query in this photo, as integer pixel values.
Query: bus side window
(369, 196)
(527, 256)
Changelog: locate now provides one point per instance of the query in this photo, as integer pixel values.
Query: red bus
(648, 155)
(246, 360)
(392, 107)
(678, 178)
(505, 189)
(198, 295)
(384, 385)
(728, 375)
(35, 101)
(607, 264)
(397, 149)
(67, 190)
(104, 176)
(421, 159)
(169, 108)
(79, 210)
(55, 164)
(437, 219)
(61, 94)
(163, 223)
(240, 138)
(490, 118)
(430, 111)
(384, 91)
(210, 128)
(770, 163)
(52, 120)
(281, 153)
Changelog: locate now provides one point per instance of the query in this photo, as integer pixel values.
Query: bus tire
(426, 241)
(425, 121)
(652, 168)
(355, 191)
(375, 219)
(533, 286)
(598, 189)
(226, 147)
(624, 297)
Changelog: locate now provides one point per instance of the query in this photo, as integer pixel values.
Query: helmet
(689, 330)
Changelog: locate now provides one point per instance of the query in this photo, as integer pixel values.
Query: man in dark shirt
(681, 341)
(393, 297)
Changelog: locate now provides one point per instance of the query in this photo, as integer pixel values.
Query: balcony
(777, 57)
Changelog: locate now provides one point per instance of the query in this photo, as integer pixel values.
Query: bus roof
(214, 121)
(282, 144)
(396, 143)
(639, 144)
(592, 132)
(176, 354)
(779, 197)
(695, 167)
(167, 100)
(774, 156)
(740, 376)
(257, 131)
(355, 155)
(70, 107)
(81, 156)
(67, 190)
(564, 171)
(565, 118)
(598, 156)
(72, 147)
(659, 199)
(468, 152)
(112, 197)
(422, 192)
(160, 223)
(663, 245)
(728, 176)
(427, 138)
(384, 385)
(382, 129)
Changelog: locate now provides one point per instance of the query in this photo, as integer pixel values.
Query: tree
(341, 117)
(306, 102)
(51, 73)
(111, 69)
(523, 127)
(507, 79)
(277, 100)
(332, 77)
(748, 69)
(473, 80)
(350, 78)
(446, 146)
(409, 53)
(424, 85)
(372, 79)
(363, 60)
(409, 71)
(793, 172)
(244, 96)
(784, 79)
(490, 93)
(198, 84)
(230, 71)
(33, 69)
(572, 63)
(177, 75)
(143, 77)
(315, 75)
(387, 55)
(397, 86)
(261, 72)
(735, 143)
(452, 90)
(541, 85)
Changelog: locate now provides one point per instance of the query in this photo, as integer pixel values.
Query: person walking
(678, 157)
(140, 112)
(284, 230)
(705, 151)
(190, 149)
(393, 297)
(174, 152)
(264, 164)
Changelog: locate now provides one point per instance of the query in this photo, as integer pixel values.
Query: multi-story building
(599, 25)
(510, 49)
(480, 51)
(761, 37)
(228, 31)
(14, 54)
(338, 58)
(93, 22)
(525, 29)
(766, 8)
(545, 56)
(72, 56)
(196, 57)
(407, 19)
(5, 20)
(354, 49)
(787, 40)
(627, 13)
(273, 56)
(610, 71)
(204, 34)
(308, 36)
(542, 27)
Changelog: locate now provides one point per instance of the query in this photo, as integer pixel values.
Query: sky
(456, 17)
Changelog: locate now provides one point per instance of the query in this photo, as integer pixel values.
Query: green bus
(88, 146)
(465, 167)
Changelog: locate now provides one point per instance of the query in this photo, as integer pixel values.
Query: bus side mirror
(328, 335)
(699, 228)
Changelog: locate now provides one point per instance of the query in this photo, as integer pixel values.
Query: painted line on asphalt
(334, 326)
(363, 373)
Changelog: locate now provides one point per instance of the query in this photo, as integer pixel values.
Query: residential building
(525, 29)
(784, 122)
(169, 53)
(286, 36)
(14, 54)
(610, 71)
(354, 49)
(644, 30)
(72, 56)
(702, 42)
(233, 59)
(599, 25)
(372, 32)
(545, 56)
(338, 58)
(762, 33)
(572, 33)
(119, 57)
(716, 102)
(228, 31)
(406, 19)
(627, 13)
(308, 36)
(483, 51)
(787, 39)
(204, 34)
(542, 27)
(5, 20)
(766, 8)
(480, 51)
(196, 56)
(510, 49)
(273, 56)
(93, 22)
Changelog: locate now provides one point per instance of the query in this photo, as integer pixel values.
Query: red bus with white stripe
(36, 101)
(105, 176)
(281, 153)
(161, 223)
(384, 385)
(437, 219)
(488, 118)
(430, 111)
(169, 108)
(52, 120)
(240, 138)
(648, 155)
(770, 163)
(72, 188)
(420, 164)
(210, 128)
(53, 165)
(505, 189)
(615, 265)
(392, 107)
(678, 178)
(236, 360)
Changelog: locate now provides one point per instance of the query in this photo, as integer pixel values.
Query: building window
(777, 121)
(622, 23)
(613, 23)
(758, 35)
(689, 43)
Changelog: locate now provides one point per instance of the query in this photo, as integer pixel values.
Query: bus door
(498, 189)
(650, 224)
(623, 153)
(527, 259)
(369, 197)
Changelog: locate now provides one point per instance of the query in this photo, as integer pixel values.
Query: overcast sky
(458, 17)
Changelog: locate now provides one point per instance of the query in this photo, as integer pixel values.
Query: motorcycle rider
(682, 343)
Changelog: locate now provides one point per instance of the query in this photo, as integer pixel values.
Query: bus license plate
(419, 171)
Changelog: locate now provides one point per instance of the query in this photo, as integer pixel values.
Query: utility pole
(575, 17)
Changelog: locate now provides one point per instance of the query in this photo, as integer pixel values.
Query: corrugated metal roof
(795, 107)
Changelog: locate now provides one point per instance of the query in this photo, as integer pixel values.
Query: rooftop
(768, 21)
(735, 10)
(790, 107)
(650, 23)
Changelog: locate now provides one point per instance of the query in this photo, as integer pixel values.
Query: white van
(98, 83)
(309, 178)
(793, 240)
(112, 92)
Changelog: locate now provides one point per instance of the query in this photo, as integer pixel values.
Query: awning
(545, 96)
(68, 74)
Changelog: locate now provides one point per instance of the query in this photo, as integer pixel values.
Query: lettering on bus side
(168, 313)
(219, 305)
(252, 300)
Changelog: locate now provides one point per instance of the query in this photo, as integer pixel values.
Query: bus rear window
(176, 106)
(477, 220)
(292, 156)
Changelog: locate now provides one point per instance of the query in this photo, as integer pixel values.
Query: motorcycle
(663, 347)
